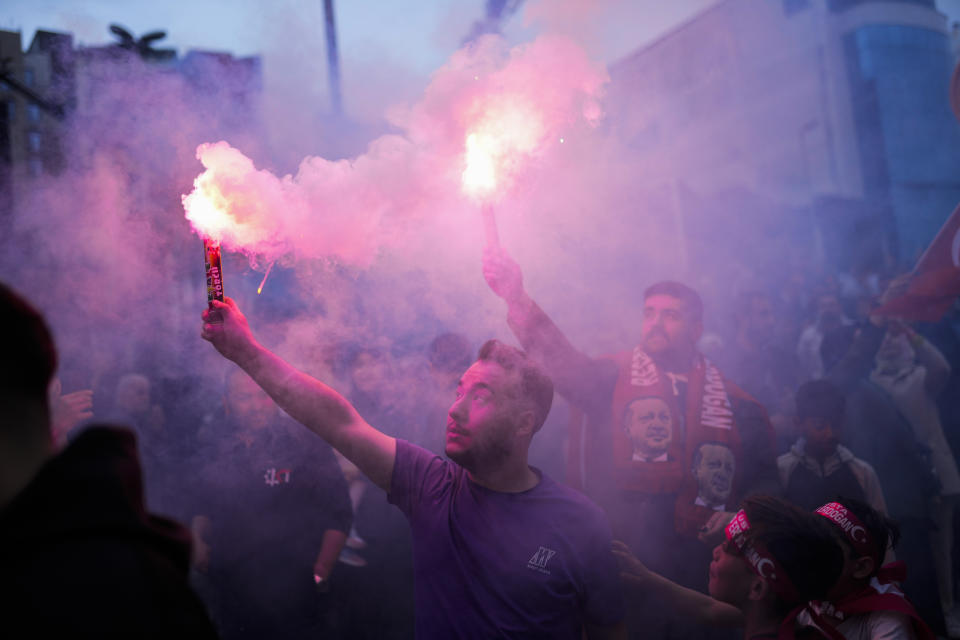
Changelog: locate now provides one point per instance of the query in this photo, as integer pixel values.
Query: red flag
(934, 283)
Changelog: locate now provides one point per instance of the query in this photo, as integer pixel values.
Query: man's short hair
(535, 386)
(820, 399)
(801, 542)
(680, 291)
(29, 355)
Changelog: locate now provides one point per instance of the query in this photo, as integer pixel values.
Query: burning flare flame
(507, 132)
(231, 201)
(480, 176)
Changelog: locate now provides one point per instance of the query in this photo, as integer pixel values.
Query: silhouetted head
(28, 362)
(865, 535)
(785, 557)
(754, 317)
(820, 409)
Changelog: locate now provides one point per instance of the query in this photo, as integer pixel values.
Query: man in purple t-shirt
(500, 550)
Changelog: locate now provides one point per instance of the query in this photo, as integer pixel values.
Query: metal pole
(333, 58)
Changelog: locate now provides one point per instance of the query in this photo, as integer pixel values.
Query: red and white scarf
(708, 418)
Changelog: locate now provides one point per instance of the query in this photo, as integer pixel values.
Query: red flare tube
(211, 259)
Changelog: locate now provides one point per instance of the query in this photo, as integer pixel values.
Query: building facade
(839, 107)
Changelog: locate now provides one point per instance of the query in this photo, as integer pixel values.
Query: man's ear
(759, 589)
(863, 567)
(527, 423)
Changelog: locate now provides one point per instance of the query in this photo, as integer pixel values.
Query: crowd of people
(792, 475)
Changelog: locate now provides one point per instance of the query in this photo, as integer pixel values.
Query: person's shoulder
(788, 459)
(415, 451)
(412, 455)
(98, 450)
(859, 464)
(884, 622)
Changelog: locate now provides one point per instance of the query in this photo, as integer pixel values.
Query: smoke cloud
(515, 101)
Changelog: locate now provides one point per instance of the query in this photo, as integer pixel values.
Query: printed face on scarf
(731, 577)
(668, 326)
(483, 420)
(714, 468)
(649, 424)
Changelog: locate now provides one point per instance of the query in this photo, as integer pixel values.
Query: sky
(420, 34)
(388, 48)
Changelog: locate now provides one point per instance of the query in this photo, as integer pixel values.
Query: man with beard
(652, 504)
(500, 550)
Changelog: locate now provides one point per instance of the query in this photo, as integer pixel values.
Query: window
(36, 166)
(28, 77)
(33, 113)
(33, 141)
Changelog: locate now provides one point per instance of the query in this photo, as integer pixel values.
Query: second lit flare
(508, 132)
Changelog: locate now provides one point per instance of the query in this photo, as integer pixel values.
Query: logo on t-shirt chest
(540, 559)
(274, 476)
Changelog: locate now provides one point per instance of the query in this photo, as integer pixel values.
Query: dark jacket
(81, 557)
(876, 431)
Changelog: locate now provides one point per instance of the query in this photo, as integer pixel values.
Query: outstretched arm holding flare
(305, 399)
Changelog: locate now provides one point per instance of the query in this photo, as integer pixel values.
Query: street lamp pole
(333, 58)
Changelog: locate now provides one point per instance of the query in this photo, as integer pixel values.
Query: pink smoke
(517, 101)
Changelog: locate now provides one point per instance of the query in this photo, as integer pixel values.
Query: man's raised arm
(580, 378)
(306, 399)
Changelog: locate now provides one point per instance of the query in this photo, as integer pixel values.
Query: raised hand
(503, 274)
(231, 337)
(68, 411)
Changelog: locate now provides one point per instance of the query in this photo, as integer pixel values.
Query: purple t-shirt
(535, 564)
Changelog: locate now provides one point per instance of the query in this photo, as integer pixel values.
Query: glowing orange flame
(507, 131)
(479, 176)
(206, 209)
